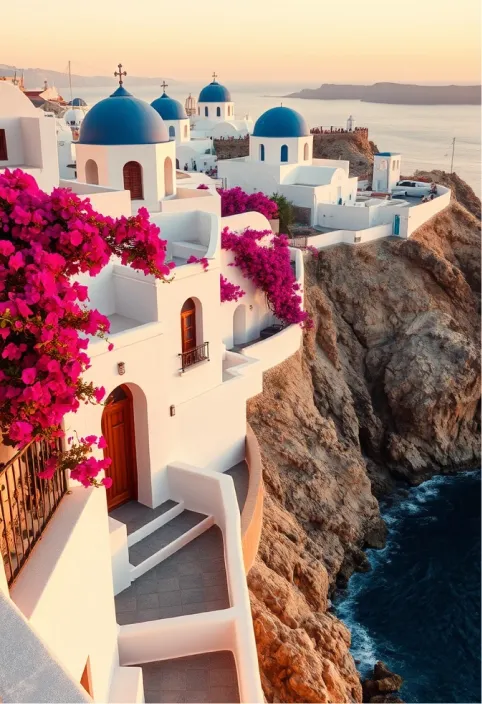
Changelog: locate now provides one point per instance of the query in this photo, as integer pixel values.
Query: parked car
(416, 189)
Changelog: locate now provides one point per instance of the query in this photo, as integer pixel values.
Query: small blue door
(396, 225)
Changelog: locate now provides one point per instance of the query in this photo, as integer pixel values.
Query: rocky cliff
(385, 387)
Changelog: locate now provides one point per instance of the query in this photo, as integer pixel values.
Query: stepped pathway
(210, 677)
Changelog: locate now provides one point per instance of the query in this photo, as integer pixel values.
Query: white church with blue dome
(215, 116)
(281, 161)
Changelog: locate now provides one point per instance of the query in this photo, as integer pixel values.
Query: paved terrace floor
(210, 677)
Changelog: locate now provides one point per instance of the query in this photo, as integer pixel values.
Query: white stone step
(171, 537)
(155, 524)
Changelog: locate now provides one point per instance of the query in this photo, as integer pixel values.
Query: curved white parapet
(275, 349)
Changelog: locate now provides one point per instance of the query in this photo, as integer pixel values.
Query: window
(91, 172)
(306, 152)
(172, 132)
(3, 146)
(133, 179)
(218, 112)
(206, 112)
(199, 111)
(188, 325)
(261, 152)
(284, 153)
(185, 131)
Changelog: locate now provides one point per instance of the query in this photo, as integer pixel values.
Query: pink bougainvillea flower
(102, 443)
(107, 482)
(29, 375)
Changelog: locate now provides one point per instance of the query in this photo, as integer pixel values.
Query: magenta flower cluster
(203, 261)
(44, 241)
(229, 291)
(235, 201)
(264, 259)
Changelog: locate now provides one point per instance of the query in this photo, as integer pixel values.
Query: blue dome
(168, 108)
(122, 119)
(77, 102)
(214, 93)
(281, 122)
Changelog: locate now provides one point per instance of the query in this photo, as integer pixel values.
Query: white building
(215, 114)
(386, 171)
(175, 426)
(27, 137)
(192, 153)
(281, 161)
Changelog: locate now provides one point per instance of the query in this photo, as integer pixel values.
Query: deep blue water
(419, 608)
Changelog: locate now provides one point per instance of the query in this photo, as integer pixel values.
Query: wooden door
(118, 431)
(188, 326)
(133, 179)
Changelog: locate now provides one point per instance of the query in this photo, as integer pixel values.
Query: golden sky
(286, 41)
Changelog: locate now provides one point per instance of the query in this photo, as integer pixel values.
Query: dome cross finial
(215, 75)
(164, 85)
(120, 73)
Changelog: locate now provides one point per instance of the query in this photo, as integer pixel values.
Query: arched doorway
(168, 182)
(239, 325)
(118, 431)
(133, 179)
(91, 172)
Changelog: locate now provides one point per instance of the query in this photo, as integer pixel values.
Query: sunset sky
(307, 41)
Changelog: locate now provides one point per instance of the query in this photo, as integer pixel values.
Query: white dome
(74, 117)
(14, 103)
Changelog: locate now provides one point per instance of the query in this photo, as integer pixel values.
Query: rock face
(386, 386)
(383, 685)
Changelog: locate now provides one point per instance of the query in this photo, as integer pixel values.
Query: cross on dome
(215, 75)
(120, 73)
(164, 85)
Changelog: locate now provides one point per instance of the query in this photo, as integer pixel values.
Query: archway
(91, 172)
(133, 179)
(306, 152)
(118, 431)
(168, 180)
(239, 325)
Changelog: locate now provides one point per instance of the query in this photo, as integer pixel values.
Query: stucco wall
(419, 214)
(65, 589)
(252, 514)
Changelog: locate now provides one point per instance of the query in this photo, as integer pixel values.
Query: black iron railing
(27, 503)
(197, 354)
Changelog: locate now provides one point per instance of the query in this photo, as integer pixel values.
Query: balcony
(194, 356)
(27, 504)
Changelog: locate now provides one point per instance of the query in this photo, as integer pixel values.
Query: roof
(122, 119)
(214, 93)
(388, 154)
(168, 108)
(14, 103)
(281, 122)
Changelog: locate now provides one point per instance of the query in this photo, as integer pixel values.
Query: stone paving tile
(163, 536)
(210, 677)
(136, 515)
(191, 581)
(240, 476)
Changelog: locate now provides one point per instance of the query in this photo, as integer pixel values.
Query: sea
(418, 609)
(423, 134)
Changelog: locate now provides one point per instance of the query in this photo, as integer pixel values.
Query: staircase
(153, 535)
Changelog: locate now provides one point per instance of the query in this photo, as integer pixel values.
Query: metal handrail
(194, 356)
(27, 503)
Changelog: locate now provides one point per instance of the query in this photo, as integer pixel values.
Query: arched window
(218, 112)
(261, 152)
(185, 131)
(306, 152)
(91, 172)
(188, 325)
(284, 153)
(206, 111)
(168, 180)
(133, 179)
(199, 111)
(172, 132)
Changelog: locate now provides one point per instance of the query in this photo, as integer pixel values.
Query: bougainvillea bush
(264, 259)
(235, 201)
(45, 240)
(229, 291)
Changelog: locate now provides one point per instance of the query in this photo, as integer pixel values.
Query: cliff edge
(385, 387)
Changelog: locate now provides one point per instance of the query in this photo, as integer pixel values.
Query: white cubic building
(386, 171)
(281, 161)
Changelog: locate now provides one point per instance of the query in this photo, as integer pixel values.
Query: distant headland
(395, 93)
(34, 77)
